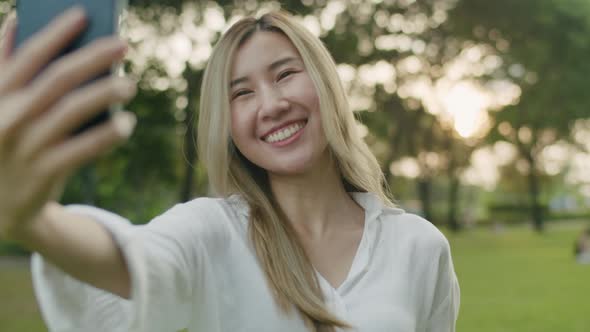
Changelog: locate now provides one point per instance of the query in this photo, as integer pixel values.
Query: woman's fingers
(7, 35)
(72, 112)
(66, 74)
(74, 153)
(74, 69)
(42, 48)
(11, 108)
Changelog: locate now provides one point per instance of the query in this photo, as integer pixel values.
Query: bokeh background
(478, 111)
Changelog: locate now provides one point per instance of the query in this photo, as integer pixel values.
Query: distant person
(582, 247)
(302, 236)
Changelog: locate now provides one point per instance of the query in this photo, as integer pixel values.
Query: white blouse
(193, 267)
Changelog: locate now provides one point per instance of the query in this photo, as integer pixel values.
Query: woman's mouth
(285, 134)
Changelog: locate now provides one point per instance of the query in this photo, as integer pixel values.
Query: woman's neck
(316, 201)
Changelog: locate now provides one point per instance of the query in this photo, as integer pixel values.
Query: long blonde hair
(288, 270)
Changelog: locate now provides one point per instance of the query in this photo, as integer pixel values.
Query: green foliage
(512, 213)
(544, 49)
(11, 249)
(547, 38)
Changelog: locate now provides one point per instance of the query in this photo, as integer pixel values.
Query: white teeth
(284, 133)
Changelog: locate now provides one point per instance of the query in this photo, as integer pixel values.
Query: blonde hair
(288, 270)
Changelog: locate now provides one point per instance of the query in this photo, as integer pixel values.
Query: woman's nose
(272, 102)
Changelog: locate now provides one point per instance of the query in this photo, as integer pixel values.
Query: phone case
(102, 17)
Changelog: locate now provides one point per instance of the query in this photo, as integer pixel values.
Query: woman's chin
(289, 169)
(294, 164)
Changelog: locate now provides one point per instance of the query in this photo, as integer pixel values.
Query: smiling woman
(302, 236)
(292, 141)
(275, 116)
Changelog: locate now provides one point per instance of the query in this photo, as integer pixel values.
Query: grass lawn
(18, 310)
(521, 281)
(514, 281)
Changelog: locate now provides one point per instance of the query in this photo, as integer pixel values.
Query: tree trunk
(189, 150)
(424, 187)
(536, 209)
(453, 193)
(453, 202)
(190, 146)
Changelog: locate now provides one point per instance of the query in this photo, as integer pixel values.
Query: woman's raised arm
(40, 105)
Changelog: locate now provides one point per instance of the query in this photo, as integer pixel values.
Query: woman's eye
(285, 74)
(240, 93)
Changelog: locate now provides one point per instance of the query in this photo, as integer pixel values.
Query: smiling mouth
(285, 133)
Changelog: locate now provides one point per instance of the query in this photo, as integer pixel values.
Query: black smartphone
(103, 18)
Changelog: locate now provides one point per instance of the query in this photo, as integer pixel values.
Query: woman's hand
(39, 109)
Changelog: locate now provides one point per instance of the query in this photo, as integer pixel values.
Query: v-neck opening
(357, 259)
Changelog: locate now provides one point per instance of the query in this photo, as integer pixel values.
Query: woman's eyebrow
(272, 66)
(281, 62)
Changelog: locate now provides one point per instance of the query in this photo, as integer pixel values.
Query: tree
(544, 48)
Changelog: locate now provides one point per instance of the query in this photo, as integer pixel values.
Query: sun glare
(466, 104)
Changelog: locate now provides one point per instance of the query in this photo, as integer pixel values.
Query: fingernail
(116, 46)
(75, 13)
(9, 20)
(126, 88)
(124, 123)
(12, 17)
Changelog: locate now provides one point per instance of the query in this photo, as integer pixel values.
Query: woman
(302, 238)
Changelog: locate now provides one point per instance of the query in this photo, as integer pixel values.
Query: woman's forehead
(262, 52)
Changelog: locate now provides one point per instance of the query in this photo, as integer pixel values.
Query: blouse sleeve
(168, 261)
(446, 299)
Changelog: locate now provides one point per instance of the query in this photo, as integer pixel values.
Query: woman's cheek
(243, 123)
(309, 91)
(236, 124)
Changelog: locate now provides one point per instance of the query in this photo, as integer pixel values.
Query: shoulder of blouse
(417, 230)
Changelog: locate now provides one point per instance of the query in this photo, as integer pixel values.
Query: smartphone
(103, 17)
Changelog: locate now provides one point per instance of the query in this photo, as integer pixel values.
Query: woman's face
(275, 116)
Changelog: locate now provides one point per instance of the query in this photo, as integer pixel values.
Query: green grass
(18, 309)
(521, 281)
(515, 281)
